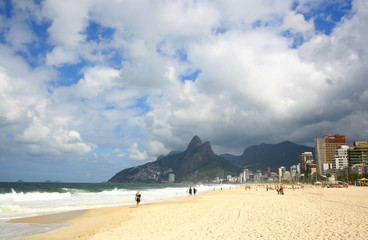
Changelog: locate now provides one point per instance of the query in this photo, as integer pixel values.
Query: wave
(20, 204)
(45, 200)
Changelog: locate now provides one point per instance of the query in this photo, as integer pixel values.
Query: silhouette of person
(138, 198)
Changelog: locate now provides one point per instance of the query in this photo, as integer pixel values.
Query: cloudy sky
(90, 87)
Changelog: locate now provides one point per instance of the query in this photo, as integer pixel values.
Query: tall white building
(171, 177)
(295, 172)
(245, 175)
(258, 176)
(281, 173)
(340, 159)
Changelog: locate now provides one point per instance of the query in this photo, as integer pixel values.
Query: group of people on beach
(194, 191)
(138, 195)
(280, 190)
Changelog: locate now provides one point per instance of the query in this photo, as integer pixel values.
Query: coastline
(309, 213)
(49, 218)
(77, 223)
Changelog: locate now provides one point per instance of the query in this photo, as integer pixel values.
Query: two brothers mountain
(199, 163)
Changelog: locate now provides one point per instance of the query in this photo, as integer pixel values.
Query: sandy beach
(308, 213)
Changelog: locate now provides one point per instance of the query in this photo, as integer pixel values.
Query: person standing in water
(138, 198)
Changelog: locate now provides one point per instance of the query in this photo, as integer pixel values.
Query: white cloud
(252, 86)
(17, 30)
(26, 112)
(96, 82)
(156, 148)
(69, 18)
(60, 55)
(136, 154)
(118, 153)
(70, 141)
(249, 84)
(296, 23)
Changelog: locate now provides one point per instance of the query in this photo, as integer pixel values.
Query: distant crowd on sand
(279, 188)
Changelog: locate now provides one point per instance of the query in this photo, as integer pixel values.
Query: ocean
(19, 200)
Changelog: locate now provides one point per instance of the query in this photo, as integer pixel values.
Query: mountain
(197, 163)
(260, 157)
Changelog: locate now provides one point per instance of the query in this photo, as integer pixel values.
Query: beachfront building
(359, 169)
(246, 175)
(295, 172)
(311, 169)
(286, 176)
(305, 158)
(171, 177)
(358, 154)
(231, 179)
(258, 176)
(325, 151)
(281, 173)
(273, 177)
(340, 160)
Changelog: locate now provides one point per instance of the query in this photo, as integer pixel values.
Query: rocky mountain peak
(207, 146)
(197, 163)
(196, 142)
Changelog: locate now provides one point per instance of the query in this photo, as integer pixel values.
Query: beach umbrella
(364, 179)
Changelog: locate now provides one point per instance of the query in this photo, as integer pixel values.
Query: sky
(91, 87)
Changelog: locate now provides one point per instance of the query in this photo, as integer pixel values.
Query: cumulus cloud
(155, 74)
(298, 28)
(136, 154)
(60, 56)
(68, 18)
(296, 22)
(26, 118)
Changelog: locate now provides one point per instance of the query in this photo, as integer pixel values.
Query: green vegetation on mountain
(197, 163)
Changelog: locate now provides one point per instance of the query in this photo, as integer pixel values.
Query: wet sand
(309, 213)
(51, 218)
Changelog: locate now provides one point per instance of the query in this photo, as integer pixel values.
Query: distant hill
(197, 163)
(260, 157)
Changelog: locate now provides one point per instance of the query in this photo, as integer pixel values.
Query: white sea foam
(19, 204)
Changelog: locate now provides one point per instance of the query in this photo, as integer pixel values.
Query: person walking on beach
(138, 198)
(194, 191)
(190, 191)
(282, 190)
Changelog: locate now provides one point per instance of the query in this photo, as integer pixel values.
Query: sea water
(19, 200)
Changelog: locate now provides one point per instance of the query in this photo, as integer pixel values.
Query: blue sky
(88, 88)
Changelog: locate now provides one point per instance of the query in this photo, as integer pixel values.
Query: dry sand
(309, 213)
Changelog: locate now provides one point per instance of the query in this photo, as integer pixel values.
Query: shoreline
(309, 213)
(49, 218)
(78, 223)
(82, 223)
(34, 200)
